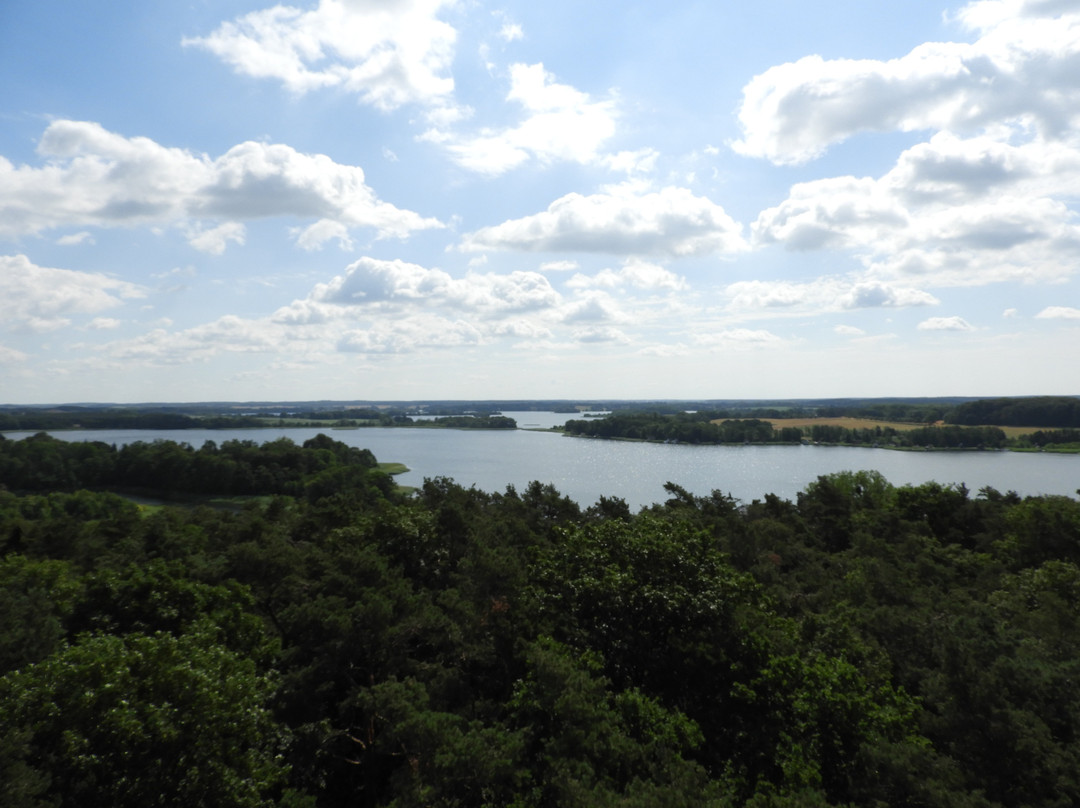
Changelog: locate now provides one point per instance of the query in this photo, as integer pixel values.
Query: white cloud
(823, 294)
(214, 240)
(951, 170)
(986, 15)
(73, 239)
(1009, 314)
(595, 307)
(510, 32)
(634, 273)
(848, 331)
(410, 335)
(388, 53)
(945, 324)
(103, 324)
(10, 356)
(34, 298)
(831, 213)
(1059, 313)
(598, 334)
(560, 124)
(1022, 69)
(734, 338)
(324, 230)
(877, 295)
(648, 276)
(665, 351)
(228, 334)
(641, 161)
(523, 329)
(604, 279)
(95, 177)
(947, 213)
(377, 284)
(621, 221)
(559, 266)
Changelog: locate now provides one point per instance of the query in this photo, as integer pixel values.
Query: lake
(585, 469)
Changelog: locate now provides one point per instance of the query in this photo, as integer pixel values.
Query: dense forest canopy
(1044, 411)
(339, 643)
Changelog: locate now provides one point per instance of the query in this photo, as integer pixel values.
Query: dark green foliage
(237, 467)
(1044, 411)
(471, 422)
(140, 720)
(336, 644)
(12, 418)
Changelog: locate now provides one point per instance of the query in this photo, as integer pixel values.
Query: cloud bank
(93, 177)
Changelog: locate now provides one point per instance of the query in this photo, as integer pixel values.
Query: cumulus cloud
(1059, 313)
(560, 123)
(324, 230)
(388, 53)
(375, 282)
(953, 215)
(623, 221)
(99, 178)
(635, 273)
(945, 324)
(594, 307)
(522, 329)
(877, 295)
(1022, 68)
(34, 298)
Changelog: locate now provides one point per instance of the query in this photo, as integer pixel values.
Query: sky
(462, 199)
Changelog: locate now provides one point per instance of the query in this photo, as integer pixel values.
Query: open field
(869, 423)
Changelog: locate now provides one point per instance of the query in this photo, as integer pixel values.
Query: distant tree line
(469, 422)
(696, 428)
(1053, 437)
(34, 418)
(1045, 411)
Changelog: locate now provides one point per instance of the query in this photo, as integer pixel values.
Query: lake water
(585, 469)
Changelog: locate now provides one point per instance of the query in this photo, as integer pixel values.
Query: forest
(698, 428)
(705, 428)
(337, 642)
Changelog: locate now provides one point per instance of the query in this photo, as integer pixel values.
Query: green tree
(141, 720)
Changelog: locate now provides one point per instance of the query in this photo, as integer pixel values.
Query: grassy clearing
(393, 468)
(150, 504)
(869, 423)
(845, 422)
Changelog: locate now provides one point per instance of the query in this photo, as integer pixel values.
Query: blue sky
(410, 199)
